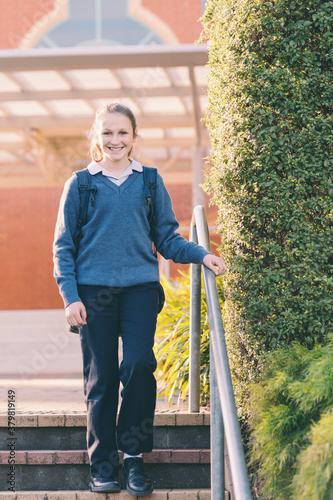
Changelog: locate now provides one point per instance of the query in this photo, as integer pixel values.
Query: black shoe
(104, 485)
(137, 480)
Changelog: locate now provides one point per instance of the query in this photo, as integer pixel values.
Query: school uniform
(116, 276)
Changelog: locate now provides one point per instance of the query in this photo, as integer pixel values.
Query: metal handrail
(223, 407)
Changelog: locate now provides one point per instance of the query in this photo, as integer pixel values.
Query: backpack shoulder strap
(150, 180)
(85, 188)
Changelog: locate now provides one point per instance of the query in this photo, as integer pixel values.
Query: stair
(86, 495)
(51, 462)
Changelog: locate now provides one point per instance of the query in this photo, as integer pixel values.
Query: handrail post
(195, 332)
(217, 471)
(222, 390)
(217, 465)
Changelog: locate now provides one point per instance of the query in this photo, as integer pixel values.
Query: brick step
(70, 457)
(171, 418)
(178, 430)
(63, 469)
(172, 494)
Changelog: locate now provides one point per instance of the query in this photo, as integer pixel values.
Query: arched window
(98, 22)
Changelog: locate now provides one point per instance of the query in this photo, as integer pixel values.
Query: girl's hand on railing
(216, 264)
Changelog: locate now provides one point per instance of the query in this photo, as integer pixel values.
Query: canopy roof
(47, 94)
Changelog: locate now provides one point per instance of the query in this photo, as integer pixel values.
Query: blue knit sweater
(116, 249)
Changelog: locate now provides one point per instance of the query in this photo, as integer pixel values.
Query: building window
(96, 23)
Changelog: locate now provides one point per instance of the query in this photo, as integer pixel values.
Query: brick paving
(57, 395)
(41, 361)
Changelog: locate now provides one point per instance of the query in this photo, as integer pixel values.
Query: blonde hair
(96, 153)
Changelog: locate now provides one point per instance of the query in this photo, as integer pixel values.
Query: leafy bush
(295, 393)
(172, 339)
(270, 116)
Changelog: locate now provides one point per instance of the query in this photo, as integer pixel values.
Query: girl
(110, 287)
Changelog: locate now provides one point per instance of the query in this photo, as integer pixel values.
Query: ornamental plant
(270, 103)
(292, 422)
(172, 346)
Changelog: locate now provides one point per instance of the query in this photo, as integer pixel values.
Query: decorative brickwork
(19, 17)
(22, 22)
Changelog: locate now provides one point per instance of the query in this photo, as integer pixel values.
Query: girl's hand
(76, 314)
(211, 261)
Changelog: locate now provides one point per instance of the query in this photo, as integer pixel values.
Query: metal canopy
(48, 98)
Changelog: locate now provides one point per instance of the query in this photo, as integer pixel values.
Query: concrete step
(48, 451)
(63, 469)
(172, 494)
(178, 430)
(70, 457)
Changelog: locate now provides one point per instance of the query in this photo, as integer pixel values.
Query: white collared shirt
(94, 168)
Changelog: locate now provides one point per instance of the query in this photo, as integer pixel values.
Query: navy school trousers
(131, 313)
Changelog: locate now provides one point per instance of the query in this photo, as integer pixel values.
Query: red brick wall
(27, 223)
(18, 16)
(181, 15)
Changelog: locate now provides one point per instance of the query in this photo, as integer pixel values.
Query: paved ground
(52, 395)
(41, 361)
(37, 343)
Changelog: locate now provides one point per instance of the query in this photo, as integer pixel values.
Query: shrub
(270, 116)
(294, 394)
(172, 340)
(314, 479)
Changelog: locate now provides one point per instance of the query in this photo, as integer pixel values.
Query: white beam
(195, 104)
(181, 142)
(85, 122)
(115, 57)
(48, 95)
(198, 195)
(170, 142)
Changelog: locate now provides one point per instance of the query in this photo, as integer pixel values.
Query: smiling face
(116, 138)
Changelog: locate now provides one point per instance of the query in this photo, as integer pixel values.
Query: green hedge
(270, 116)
